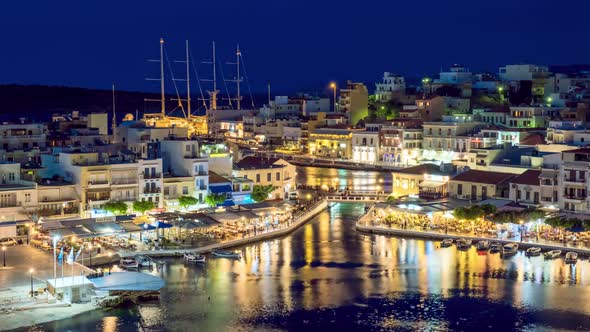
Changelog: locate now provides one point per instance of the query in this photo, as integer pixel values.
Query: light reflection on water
(326, 275)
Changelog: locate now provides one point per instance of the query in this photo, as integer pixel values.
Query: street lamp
(31, 273)
(4, 254)
(333, 87)
(521, 230)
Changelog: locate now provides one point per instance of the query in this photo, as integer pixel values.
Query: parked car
(9, 241)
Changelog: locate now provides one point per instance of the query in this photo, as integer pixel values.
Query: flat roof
(128, 281)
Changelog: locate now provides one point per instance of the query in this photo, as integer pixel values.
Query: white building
(18, 199)
(522, 72)
(392, 83)
(365, 146)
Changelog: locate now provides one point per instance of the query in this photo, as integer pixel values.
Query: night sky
(295, 45)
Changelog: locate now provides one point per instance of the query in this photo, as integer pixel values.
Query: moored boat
(495, 247)
(226, 254)
(482, 245)
(552, 254)
(446, 243)
(192, 258)
(533, 251)
(509, 249)
(144, 261)
(463, 244)
(571, 257)
(128, 263)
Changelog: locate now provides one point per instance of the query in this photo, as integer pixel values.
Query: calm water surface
(327, 276)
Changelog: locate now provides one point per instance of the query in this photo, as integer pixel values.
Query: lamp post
(31, 273)
(521, 230)
(4, 254)
(333, 87)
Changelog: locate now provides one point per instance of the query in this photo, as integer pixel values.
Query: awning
(61, 233)
(7, 224)
(130, 227)
(146, 227)
(430, 184)
(226, 188)
(160, 224)
(99, 228)
(227, 202)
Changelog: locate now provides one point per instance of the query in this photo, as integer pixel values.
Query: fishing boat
(446, 243)
(482, 245)
(571, 257)
(144, 261)
(495, 247)
(533, 251)
(128, 263)
(226, 254)
(552, 254)
(192, 258)
(463, 244)
(509, 249)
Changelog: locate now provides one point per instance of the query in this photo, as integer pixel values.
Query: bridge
(356, 197)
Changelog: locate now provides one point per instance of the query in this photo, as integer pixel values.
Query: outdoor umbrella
(159, 224)
(144, 227)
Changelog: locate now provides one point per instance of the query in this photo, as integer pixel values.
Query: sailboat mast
(163, 101)
(238, 75)
(214, 71)
(188, 83)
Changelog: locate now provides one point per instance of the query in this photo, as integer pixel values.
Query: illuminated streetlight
(31, 273)
(333, 87)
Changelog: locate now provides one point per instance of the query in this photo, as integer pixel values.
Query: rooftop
(486, 177)
(529, 177)
(216, 178)
(253, 162)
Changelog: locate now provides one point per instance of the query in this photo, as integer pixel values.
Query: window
(268, 177)
(528, 195)
(11, 177)
(278, 176)
(27, 198)
(518, 194)
(459, 189)
(187, 148)
(185, 190)
(257, 178)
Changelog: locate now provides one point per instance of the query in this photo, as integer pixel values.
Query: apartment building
(365, 146)
(573, 180)
(448, 139)
(400, 146)
(23, 136)
(18, 199)
(268, 171)
(354, 102)
(330, 142)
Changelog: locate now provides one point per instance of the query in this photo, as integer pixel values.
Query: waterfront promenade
(366, 224)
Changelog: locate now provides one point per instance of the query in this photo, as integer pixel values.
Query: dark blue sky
(295, 45)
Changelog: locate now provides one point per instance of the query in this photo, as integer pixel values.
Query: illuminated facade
(365, 146)
(400, 146)
(425, 181)
(328, 142)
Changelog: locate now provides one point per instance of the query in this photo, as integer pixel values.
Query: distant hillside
(38, 102)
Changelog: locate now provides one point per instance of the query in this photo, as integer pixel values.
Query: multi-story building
(100, 178)
(525, 188)
(268, 171)
(530, 117)
(57, 199)
(400, 146)
(477, 185)
(354, 102)
(176, 186)
(365, 146)
(18, 199)
(573, 180)
(330, 142)
(492, 116)
(23, 136)
(391, 85)
(188, 158)
(446, 140)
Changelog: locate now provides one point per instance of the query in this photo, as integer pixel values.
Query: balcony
(573, 180)
(576, 198)
(152, 191)
(98, 184)
(123, 182)
(144, 176)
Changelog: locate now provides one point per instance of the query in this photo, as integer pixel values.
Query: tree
(261, 193)
(115, 208)
(186, 201)
(143, 206)
(214, 199)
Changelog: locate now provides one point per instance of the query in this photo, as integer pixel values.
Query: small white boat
(144, 261)
(552, 254)
(226, 254)
(495, 247)
(533, 251)
(571, 257)
(463, 244)
(446, 243)
(128, 263)
(509, 249)
(482, 245)
(192, 258)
